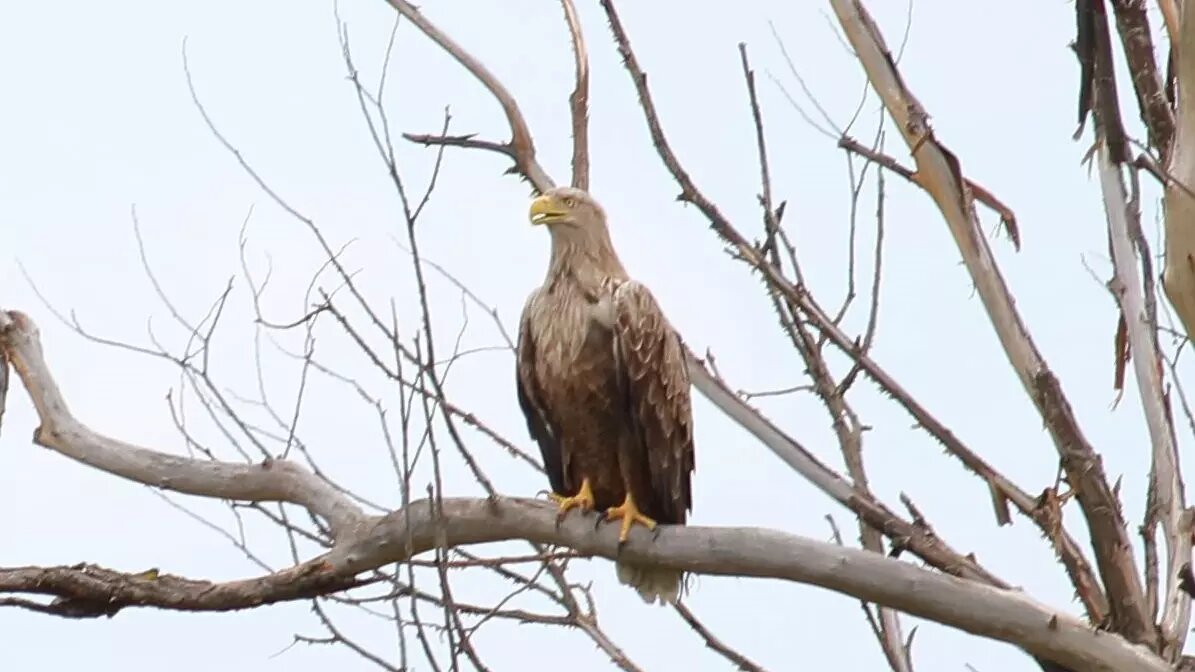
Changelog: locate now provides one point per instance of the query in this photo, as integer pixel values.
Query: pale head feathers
(580, 239)
(567, 208)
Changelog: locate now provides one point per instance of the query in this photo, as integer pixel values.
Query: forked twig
(521, 147)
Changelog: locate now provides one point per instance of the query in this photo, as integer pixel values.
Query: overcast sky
(98, 119)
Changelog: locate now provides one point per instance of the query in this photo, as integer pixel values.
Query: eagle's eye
(569, 201)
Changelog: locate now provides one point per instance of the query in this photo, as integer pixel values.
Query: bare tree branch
(270, 481)
(939, 174)
(1003, 490)
(1166, 485)
(740, 661)
(990, 612)
(578, 101)
(89, 591)
(365, 543)
(522, 148)
(1137, 329)
(1007, 217)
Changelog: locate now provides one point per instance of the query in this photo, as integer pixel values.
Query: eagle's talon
(630, 514)
(582, 500)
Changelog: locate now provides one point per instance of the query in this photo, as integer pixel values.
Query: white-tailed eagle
(603, 382)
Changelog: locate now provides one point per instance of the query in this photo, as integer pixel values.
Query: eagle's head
(567, 208)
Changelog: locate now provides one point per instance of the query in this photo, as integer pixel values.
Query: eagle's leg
(582, 500)
(630, 514)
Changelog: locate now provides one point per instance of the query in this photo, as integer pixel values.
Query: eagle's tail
(652, 582)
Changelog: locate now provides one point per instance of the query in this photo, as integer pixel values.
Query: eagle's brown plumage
(603, 383)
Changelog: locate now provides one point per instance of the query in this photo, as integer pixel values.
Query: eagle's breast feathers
(610, 363)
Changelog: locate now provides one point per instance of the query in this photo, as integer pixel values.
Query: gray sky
(99, 120)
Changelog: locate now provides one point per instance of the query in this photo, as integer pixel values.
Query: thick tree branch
(270, 481)
(1006, 615)
(89, 591)
(939, 174)
(767, 554)
(367, 543)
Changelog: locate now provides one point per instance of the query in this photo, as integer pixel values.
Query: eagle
(603, 383)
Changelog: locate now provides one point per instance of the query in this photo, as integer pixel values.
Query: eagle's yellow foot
(582, 500)
(630, 514)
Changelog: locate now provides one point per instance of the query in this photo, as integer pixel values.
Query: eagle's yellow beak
(546, 209)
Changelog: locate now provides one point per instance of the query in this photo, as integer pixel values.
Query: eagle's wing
(539, 423)
(656, 379)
